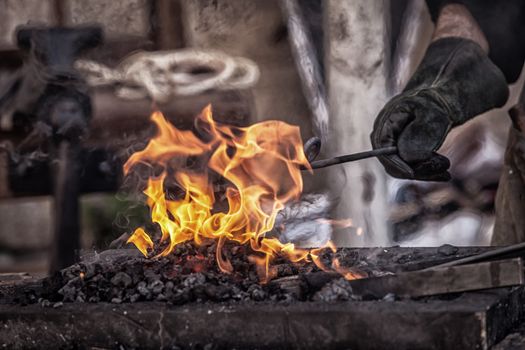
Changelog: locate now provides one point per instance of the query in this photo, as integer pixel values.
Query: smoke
(304, 222)
(133, 211)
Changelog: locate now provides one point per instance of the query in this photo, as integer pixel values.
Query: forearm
(455, 20)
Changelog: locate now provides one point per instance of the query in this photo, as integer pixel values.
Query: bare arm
(455, 20)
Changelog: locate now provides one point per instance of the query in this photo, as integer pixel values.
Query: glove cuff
(458, 74)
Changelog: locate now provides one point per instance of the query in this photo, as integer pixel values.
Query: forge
(118, 297)
(221, 263)
(214, 175)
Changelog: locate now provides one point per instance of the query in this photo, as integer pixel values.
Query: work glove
(455, 82)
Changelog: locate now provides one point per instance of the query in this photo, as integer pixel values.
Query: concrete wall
(356, 60)
(254, 29)
(20, 12)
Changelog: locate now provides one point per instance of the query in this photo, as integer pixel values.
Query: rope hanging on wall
(162, 74)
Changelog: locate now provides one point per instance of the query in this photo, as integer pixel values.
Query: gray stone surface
(514, 341)
(21, 12)
(25, 223)
(253, 29)
(356, 72)
(119, 18)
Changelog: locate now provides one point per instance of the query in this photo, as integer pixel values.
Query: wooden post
(356, 58)
(168, 31)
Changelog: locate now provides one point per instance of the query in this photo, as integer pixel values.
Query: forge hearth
(247, 315)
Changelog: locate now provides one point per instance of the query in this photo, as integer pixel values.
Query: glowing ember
(262, 166)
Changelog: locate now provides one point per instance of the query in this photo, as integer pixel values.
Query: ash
(304, 222)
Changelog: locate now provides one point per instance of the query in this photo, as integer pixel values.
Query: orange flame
(261, 162)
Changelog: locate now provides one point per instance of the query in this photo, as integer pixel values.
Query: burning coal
(262, 166)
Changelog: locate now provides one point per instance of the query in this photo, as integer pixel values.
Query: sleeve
(503, 23)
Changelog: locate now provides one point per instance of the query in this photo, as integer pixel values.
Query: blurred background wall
(367, 49)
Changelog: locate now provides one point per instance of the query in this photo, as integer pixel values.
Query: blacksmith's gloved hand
(455, 82)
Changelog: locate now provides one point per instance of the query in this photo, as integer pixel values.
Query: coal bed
(183, 301)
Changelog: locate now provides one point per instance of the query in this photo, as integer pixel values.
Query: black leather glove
(455, 82)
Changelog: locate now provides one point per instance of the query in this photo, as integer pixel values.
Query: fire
(262, 165)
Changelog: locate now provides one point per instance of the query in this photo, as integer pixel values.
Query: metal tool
(312, 147)
(451, 279)
(323, 163)
(59, 101)
(511, 251)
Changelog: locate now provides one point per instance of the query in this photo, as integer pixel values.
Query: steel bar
(485, 275)
(323, 163)
(511, 251)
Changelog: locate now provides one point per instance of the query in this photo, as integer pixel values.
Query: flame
(141, 240)
(262, 165)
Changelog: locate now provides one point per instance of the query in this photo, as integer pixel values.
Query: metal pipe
(307, 66)
(66, 208)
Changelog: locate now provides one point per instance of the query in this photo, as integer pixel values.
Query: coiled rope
(162, 74)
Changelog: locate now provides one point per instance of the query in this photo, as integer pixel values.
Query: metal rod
(452, 279)
(66, 208)
(323, 163)
(511, 251)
